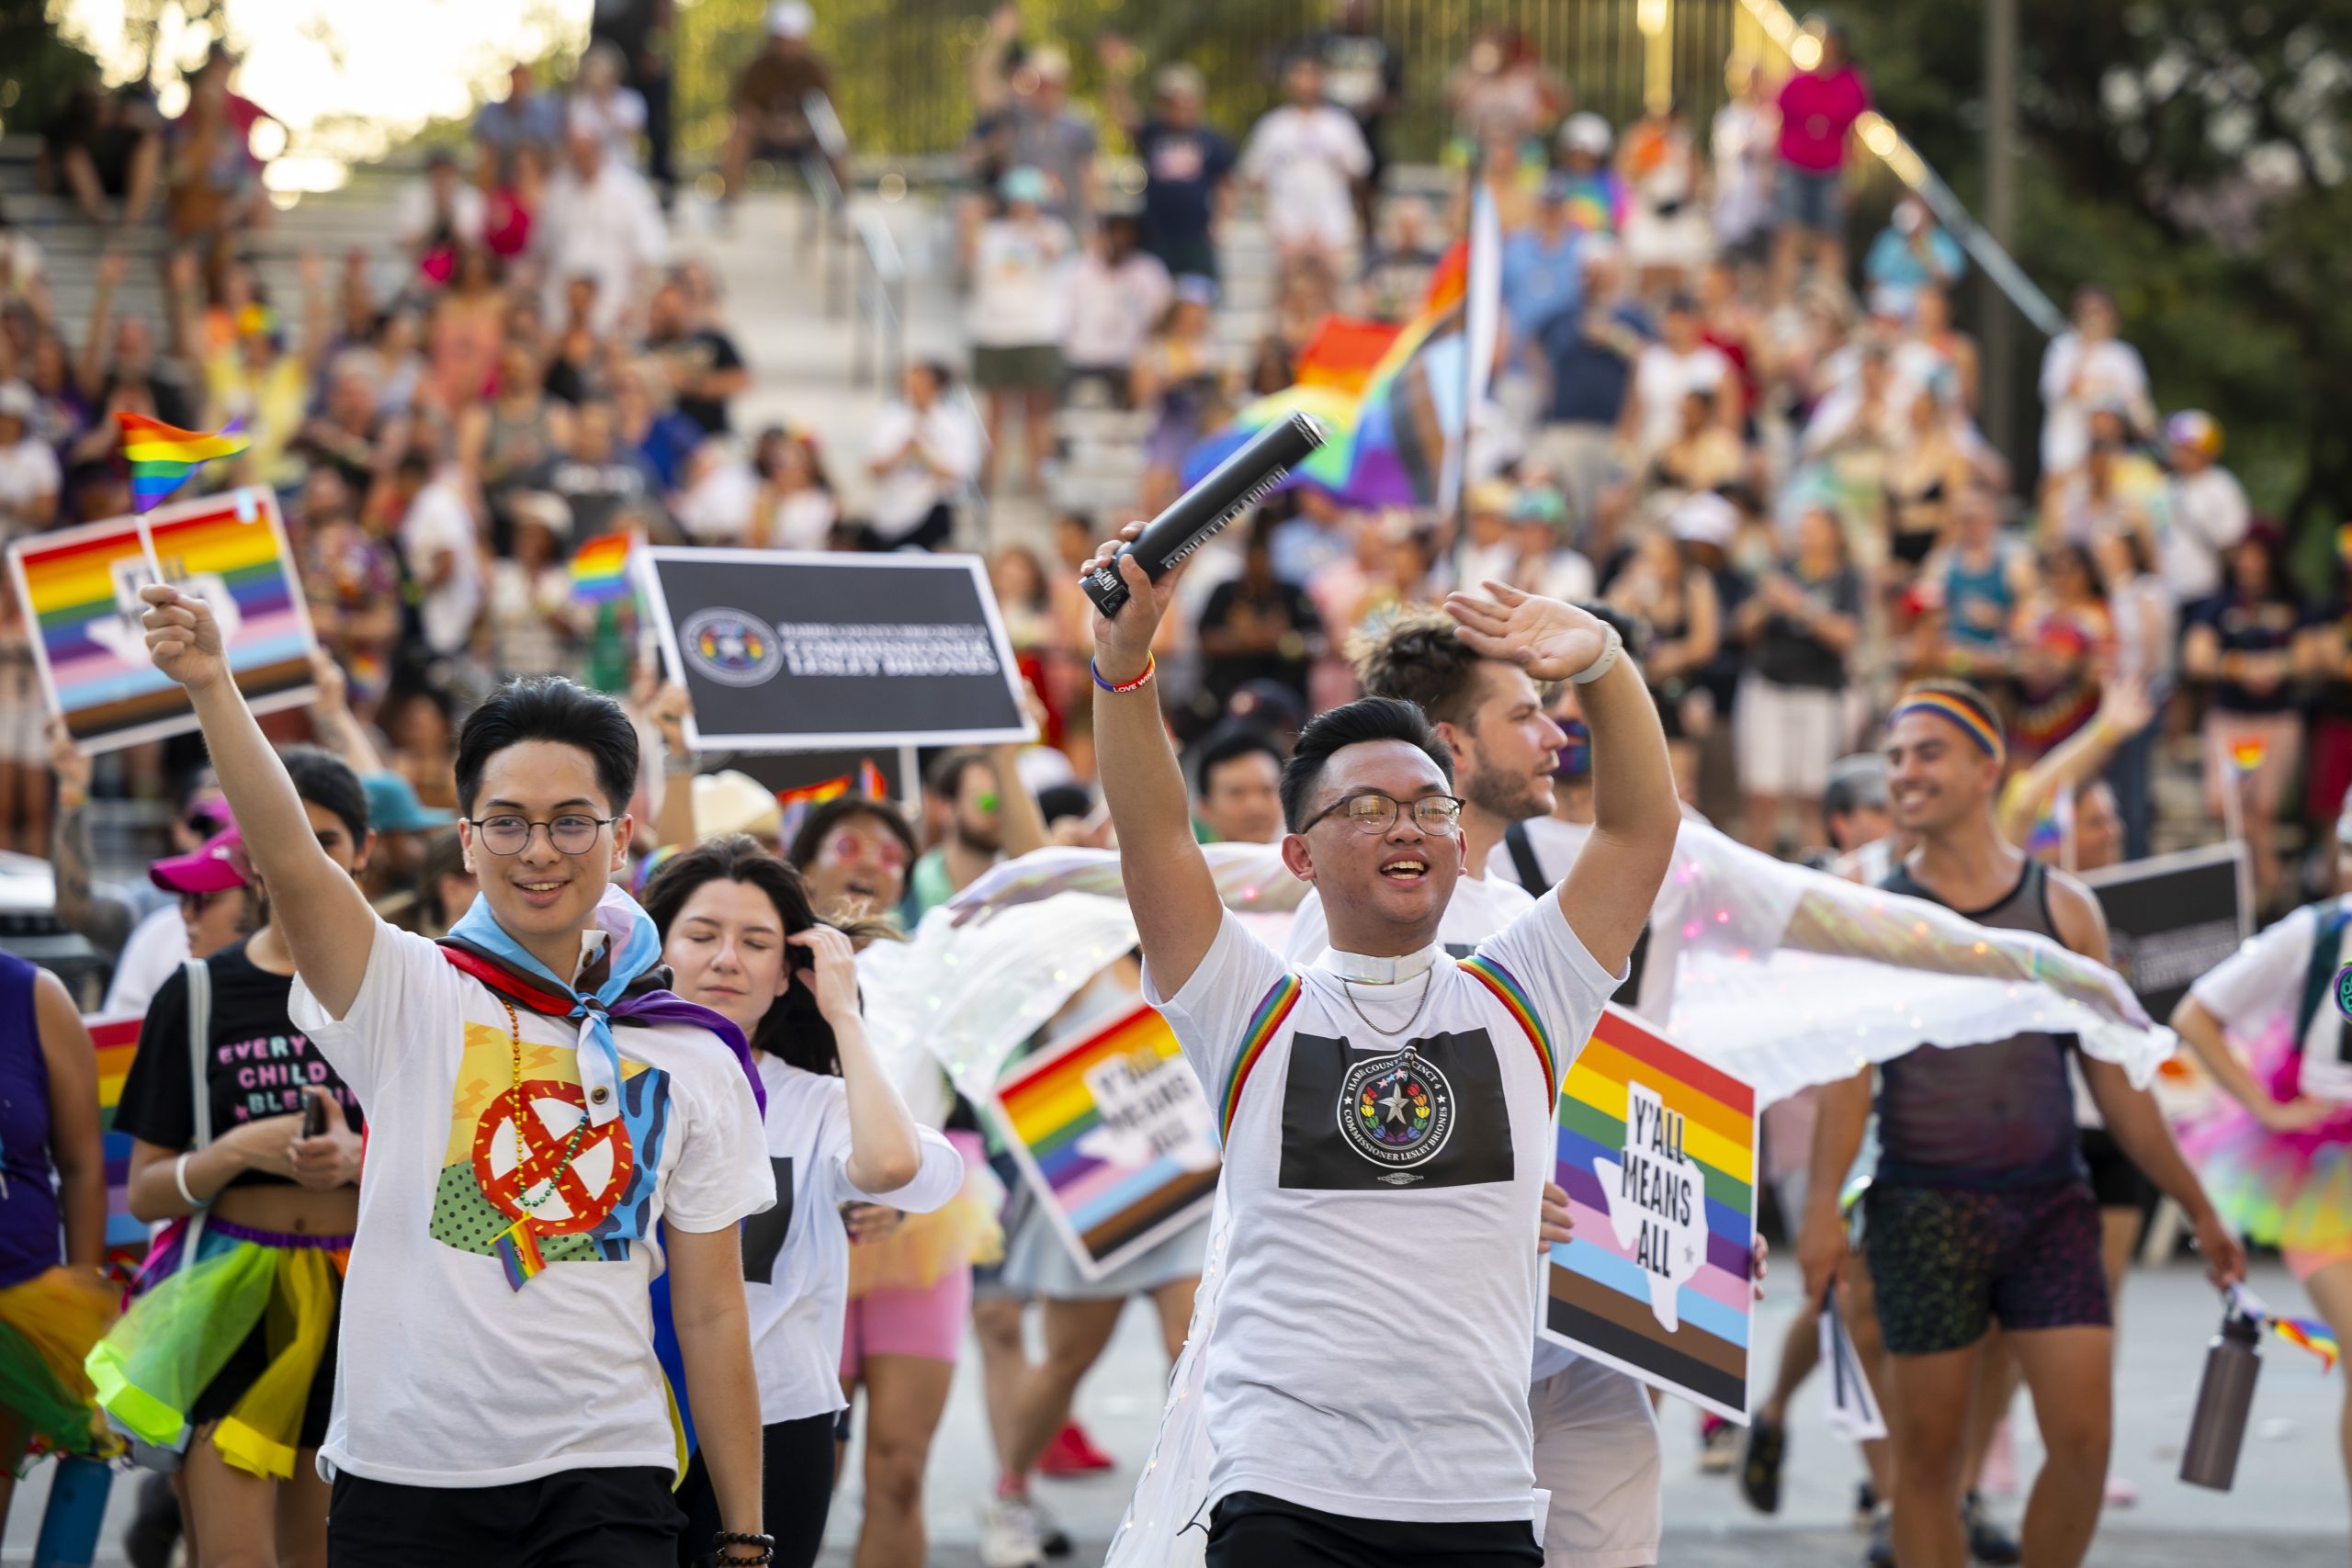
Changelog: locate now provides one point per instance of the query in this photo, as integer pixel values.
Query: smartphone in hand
(314, 1113)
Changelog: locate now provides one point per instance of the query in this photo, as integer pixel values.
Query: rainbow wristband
(1150, 664)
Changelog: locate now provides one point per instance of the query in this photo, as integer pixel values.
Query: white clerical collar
(1370, 971)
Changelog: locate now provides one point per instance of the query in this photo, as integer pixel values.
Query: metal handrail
(878, 291)
(1903, 161)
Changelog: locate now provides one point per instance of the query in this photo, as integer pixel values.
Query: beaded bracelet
(1150, 664)
(763, 1544)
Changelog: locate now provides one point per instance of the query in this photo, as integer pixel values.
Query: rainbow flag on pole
(162, 456)
(600, 569)
(1656, 1150)
(1114, 1136)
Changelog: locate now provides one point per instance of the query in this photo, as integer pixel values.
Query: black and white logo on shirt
(1395, 1111)
(1357, 1122)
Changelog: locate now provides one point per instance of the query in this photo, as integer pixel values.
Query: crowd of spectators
(1701, 412)
(1716, 407)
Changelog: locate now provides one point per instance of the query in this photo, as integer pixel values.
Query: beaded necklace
(546, 1186)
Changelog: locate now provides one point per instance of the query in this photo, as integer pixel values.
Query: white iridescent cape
(1787, 977)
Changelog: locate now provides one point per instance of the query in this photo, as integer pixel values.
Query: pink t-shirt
(1816, 110)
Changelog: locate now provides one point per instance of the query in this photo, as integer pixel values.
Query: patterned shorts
(1946, 1262)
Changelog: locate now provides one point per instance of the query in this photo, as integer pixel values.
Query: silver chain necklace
(1428, 978)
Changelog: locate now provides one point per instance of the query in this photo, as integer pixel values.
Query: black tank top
(1995, 1115)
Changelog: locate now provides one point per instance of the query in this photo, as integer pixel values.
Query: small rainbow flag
(1112, 1131)
(2052, 825)
(2247, 752)
(117, 1040)
(2310, 1334)
(162, 456)
(867, 781)
(1659, 1288)
(600, 569)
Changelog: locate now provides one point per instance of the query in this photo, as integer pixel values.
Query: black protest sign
(784, 652)
(2172, 917)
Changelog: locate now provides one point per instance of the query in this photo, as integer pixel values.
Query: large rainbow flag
(1114, 1134)
(1656, 1151)
(1394, 426)
(116, 1039)
(79, 586)
(162, 456)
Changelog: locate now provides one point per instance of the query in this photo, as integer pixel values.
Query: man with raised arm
(1981, 1207)
(548, 1129)
(1386, 1110)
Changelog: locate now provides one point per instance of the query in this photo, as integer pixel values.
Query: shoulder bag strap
(1523, 861)
(198, 974)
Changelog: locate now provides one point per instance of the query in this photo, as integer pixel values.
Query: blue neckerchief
(620, 945)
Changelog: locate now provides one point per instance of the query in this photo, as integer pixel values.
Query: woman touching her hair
(741, 939)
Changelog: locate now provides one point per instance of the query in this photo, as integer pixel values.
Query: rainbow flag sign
(116, 1039)
(1112, 1134)
(80, 587)
(1658, 1153)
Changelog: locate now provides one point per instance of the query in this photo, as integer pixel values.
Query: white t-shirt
(439, 520)
(2263, 980)
(1480, 907)
(1662, 378)
(1020, 282)
(796, 1257)
(447, 1375)
(157, 946)
(1307, 160)
(2210, 515)
(28, 472)
(1112, 309)
(1371, 1341)
(906, 491)
(2078, 378)
(1556, 845)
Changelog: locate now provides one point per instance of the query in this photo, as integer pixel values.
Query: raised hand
(1550, 639)
(182, 637)
(834, 979)
(1123, 642)
(68, 763)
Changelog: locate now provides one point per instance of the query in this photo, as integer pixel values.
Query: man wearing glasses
(549, 1130)
(1386, 1110)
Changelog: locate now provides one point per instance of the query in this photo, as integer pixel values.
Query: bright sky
(345, 75)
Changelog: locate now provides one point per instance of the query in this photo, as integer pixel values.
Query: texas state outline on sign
(1656, 1198)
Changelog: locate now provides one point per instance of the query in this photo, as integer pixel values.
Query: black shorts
(607, 1517)
(2116, 1182)
(1946, 1262)
(795, 1492)
(1249, 1529)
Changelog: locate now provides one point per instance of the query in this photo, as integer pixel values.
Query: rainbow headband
(1953, 710)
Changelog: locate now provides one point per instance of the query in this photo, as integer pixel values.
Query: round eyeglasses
(1372, 812)
(572, 833)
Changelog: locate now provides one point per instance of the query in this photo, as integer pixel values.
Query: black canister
(2224, 1399)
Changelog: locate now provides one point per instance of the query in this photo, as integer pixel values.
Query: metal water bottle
(1227, 490)
(2217, 1430)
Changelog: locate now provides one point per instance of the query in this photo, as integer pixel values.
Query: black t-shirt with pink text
(257, 1063)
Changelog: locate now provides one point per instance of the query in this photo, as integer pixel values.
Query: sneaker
(2120, 1492)
(1865, 1504)
(1760, 1472)
(1072, 1453)
(1987, 1541)
(1719, 1446)
(1879, 1552)
(1008, 1535)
